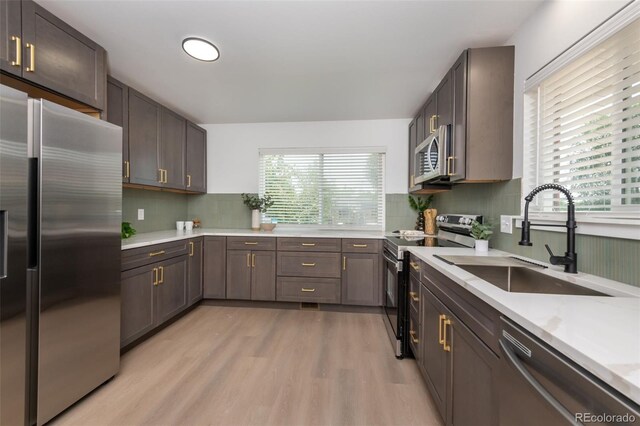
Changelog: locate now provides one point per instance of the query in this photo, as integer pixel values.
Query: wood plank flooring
(257, 366)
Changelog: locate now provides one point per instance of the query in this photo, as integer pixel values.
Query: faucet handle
(556, 260)
(549, 250)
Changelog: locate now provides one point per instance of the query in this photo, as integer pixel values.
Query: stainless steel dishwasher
(539, 386)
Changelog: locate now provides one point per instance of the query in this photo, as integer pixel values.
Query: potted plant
(420, 204)
(481, 233)
(127, 230)
(257, 205)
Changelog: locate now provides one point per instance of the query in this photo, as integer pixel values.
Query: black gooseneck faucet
(570, 258)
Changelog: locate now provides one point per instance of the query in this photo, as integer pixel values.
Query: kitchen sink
(526, 280)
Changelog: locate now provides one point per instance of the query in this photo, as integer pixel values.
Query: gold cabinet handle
(18, 61)
(450, 171)
(252, 243)
(161, 269)
(415, 266)
(445, 345)
(166, 179)
(440, 319)
(414, 296)
(188, 181)
(156, 253)
(155, 276)
(344, 263)
(309, 264)
(308, 290)
(308, 244)
(253, 260)
(412, 334)
(161, 178)
(411, 184)
(360, 245)
(248, 260)
(127, 169)
(191, 248)
(32, 57)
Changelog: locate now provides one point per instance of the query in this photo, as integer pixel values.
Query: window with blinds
(582, 126)
(330, 188)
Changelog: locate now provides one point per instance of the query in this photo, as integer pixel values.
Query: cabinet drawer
(309, 244)
(133, 258)
(293, 264)
(414, 334)
(319, 290)
(415, 266)
(351, 245)
(250, 243)
(414, 295)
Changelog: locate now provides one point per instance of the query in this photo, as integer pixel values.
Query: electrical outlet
(506, 224)
(140, 214)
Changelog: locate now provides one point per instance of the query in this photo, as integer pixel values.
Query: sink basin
(526, 280)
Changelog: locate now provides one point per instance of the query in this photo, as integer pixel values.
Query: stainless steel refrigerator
(60, 215)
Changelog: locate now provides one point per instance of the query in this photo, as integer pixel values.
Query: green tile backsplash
(161, 209)
(613, 258)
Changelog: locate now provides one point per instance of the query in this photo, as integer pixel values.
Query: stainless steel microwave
(431, 155)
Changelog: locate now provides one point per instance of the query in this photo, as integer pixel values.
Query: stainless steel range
(454, 230)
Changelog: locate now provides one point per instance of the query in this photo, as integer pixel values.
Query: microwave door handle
(515, 363)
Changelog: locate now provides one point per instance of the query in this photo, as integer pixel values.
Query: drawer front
(134, 258)
(415, 266)
(414, 295)
(249, 243)
(319, 290)
(309, 244)
(351, 245)
(320, 265)
(414, 334)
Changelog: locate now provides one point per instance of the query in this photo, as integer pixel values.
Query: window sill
(603, 227)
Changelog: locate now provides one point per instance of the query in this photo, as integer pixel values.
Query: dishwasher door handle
(515, 362)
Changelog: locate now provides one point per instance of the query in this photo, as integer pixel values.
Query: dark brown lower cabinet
(137, 295)
(194, 289)
(239, 274)
(171, 288)
(251, 275)
(460, 370)
(214, 266)
(361, 279)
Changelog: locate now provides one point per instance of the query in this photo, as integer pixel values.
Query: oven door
(431, 156)
(392, 267)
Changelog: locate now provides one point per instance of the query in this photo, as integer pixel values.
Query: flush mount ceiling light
(200, 49)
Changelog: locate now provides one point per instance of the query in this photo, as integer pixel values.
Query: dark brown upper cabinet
(41, 48)
(144, 137)
(171, 150)
(196, 158)
(443, 96)
(413, 137)
(459, 128)
(118, 114)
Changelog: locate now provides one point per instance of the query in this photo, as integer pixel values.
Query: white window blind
(331, 188)
(582, 128)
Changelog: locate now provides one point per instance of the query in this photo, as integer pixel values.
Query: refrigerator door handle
(4, 242)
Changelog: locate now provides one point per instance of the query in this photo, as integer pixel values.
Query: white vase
(482, 246)
(255, 220)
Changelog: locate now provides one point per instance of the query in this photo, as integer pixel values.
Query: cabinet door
(171, 291)
(420, 127)
(474, 373)
(263, 275)
(195, 271)
(412, 152)
(144, 136)
(137, 303)
(196, 158)
(59, 58)
(172, 149)
(459, 136)
(444, 105)
(239, 274)
(118, 114)
(10, 37)
(360, 279)
(434, 358)
(215, 267)
(430, 113)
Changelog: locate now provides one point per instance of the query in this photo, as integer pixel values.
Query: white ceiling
(291, 61)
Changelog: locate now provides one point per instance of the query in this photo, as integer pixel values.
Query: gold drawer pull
(253, 243)
(18, 61)
(253, 260)
(309, 264)
(360, 245)
(155, 276)
(188, 181)
(191, 248)
(414, 266)
(413, 337)
(32, 57)
(445, 346)
(414, 296)
(127, 168)
(308, 244)
(344, 263)
(440, 318)
(161, 279)
(248, 260)
(156, 253)
(308, 290)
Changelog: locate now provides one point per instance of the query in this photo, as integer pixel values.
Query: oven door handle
(395, 262)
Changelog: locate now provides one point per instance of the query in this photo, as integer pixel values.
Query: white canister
(188, 225)
(180, 225)
(255, 220)
(482, 246)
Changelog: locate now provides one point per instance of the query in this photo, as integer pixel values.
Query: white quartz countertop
(151, 238)
(601, 334)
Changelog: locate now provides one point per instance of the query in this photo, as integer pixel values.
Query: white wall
(554, 27)
(232, 149)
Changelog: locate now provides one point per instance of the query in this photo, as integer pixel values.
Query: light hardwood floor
(258, 366)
